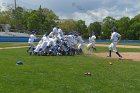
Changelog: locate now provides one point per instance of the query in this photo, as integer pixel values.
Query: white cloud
(99, 14)
(93, 10)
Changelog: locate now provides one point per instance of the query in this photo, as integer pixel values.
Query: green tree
(82, 28)
(17, 18)
(123, 27)
(40, 20)
(33, 21)
(5, 17)
(49, 18)
(134, 32)
(95, 28)
(107, 24)
(68, 25)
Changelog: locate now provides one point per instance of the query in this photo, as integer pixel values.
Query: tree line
(42, 20)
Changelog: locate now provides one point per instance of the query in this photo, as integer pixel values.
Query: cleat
(120, 58)
(27, 51)
(30, 53)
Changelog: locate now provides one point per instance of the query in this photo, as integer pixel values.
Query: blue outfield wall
(122, 41)
(14, 39)
(25, 39)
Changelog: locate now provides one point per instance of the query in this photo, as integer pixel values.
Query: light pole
(15, 4)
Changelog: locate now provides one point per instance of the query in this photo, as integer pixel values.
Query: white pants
(80, 46)
(44, 45)
(92, 44)
(37, 48)
(112, 46)
(32, 45)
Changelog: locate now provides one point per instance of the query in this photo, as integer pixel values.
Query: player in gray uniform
(115, 37)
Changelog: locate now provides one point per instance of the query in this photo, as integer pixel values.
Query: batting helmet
(114, 29)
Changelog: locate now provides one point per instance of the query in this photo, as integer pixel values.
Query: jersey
(115, 36)
(55, 30)
(79, 39)
(60, 33)
(92, 39)
(32, 38)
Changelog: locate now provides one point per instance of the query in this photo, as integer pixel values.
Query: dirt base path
(121, 46)
(126, 55)
(14, 47)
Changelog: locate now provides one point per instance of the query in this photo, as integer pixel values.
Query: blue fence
(25, 39)
(122, 41)
(14, 39)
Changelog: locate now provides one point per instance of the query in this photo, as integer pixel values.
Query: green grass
(11, 44)
(133, 44)
(65, 74)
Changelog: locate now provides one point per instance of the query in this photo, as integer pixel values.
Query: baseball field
(66, 74)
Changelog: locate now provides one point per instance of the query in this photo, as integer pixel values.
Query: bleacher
(5, 32)
(14, 34)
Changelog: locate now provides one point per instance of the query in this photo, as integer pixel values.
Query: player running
(31, 41)
(92, 42)
(115, 37)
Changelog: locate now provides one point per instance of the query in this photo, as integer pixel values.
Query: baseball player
(80, 41)
(42, 44)
(60, 33)
(92, 42)
(31, 41)
(115, 37)
(54, 32)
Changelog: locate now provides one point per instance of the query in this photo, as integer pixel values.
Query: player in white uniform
(31, 41)
(92, 42)
(60, 33)
(71, 39)
(80, 41)
(115, 37)
(54, 32)
(42, 44)
(45, 42)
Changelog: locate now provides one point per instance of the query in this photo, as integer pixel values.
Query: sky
(88, 10)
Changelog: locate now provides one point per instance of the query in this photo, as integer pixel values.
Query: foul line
(14, 47)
